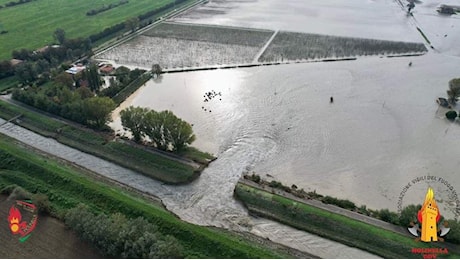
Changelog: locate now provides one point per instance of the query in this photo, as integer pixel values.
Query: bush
(451, 115)
(346, 204)
(255, 178)
(275, 184)
(388, 216)
(408, 215)
(120, 237)
(42, 203)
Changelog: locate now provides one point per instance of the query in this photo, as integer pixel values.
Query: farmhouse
(15, 62)
(106, 69)
(75, 69)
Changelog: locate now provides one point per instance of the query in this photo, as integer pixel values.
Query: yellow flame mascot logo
(429, 216)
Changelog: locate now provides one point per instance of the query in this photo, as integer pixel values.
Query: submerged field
(175, 45)
(180, 45)
(31, 25)
(303, 46)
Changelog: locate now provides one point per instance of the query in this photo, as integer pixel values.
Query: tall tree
(97, 111)
(178, 132)
(91, 74)
(154, 129)
(59, 35)
(454, 90)
(156, 69)
(133, 118)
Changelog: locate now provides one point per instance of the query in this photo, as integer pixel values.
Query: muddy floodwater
(383, 131)
(374, 145)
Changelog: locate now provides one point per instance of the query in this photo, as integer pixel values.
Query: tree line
(162, 130)
(19, 2)
(105, 8)
(117, 236)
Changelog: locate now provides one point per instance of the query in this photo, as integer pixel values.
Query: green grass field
(330, 225)
(67, 186)
(31, 25)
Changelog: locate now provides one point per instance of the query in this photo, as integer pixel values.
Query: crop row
(214, 34)
(172, 53)
(299, 46)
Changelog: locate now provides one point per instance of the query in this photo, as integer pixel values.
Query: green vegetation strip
(145, 162)
(329, 225)
(66, 186)
(131, 88)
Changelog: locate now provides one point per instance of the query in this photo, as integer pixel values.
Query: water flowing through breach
(208, 201)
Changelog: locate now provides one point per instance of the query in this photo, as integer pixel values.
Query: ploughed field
(50, 239)
(176, 45)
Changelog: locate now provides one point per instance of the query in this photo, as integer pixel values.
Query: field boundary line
(264, 48)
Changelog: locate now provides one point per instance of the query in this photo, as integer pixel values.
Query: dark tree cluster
(6, 69)
(19, 2)
(105, 8)
(60, 98)
(164, 130)
(116, 236)
(36, 65)
(123, 77)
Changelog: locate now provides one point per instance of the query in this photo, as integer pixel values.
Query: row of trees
(106, 7)
(12, 3)
(119, 237)
(163, 129)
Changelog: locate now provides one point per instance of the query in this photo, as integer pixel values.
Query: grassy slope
(137, 159)
(340, 228)
(31, 25)
(66, 186)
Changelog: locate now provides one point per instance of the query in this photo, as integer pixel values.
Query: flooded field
(383, 130)
(371, 19)
(175, 45)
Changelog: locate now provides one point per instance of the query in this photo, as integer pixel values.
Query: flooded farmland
(383, 130)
